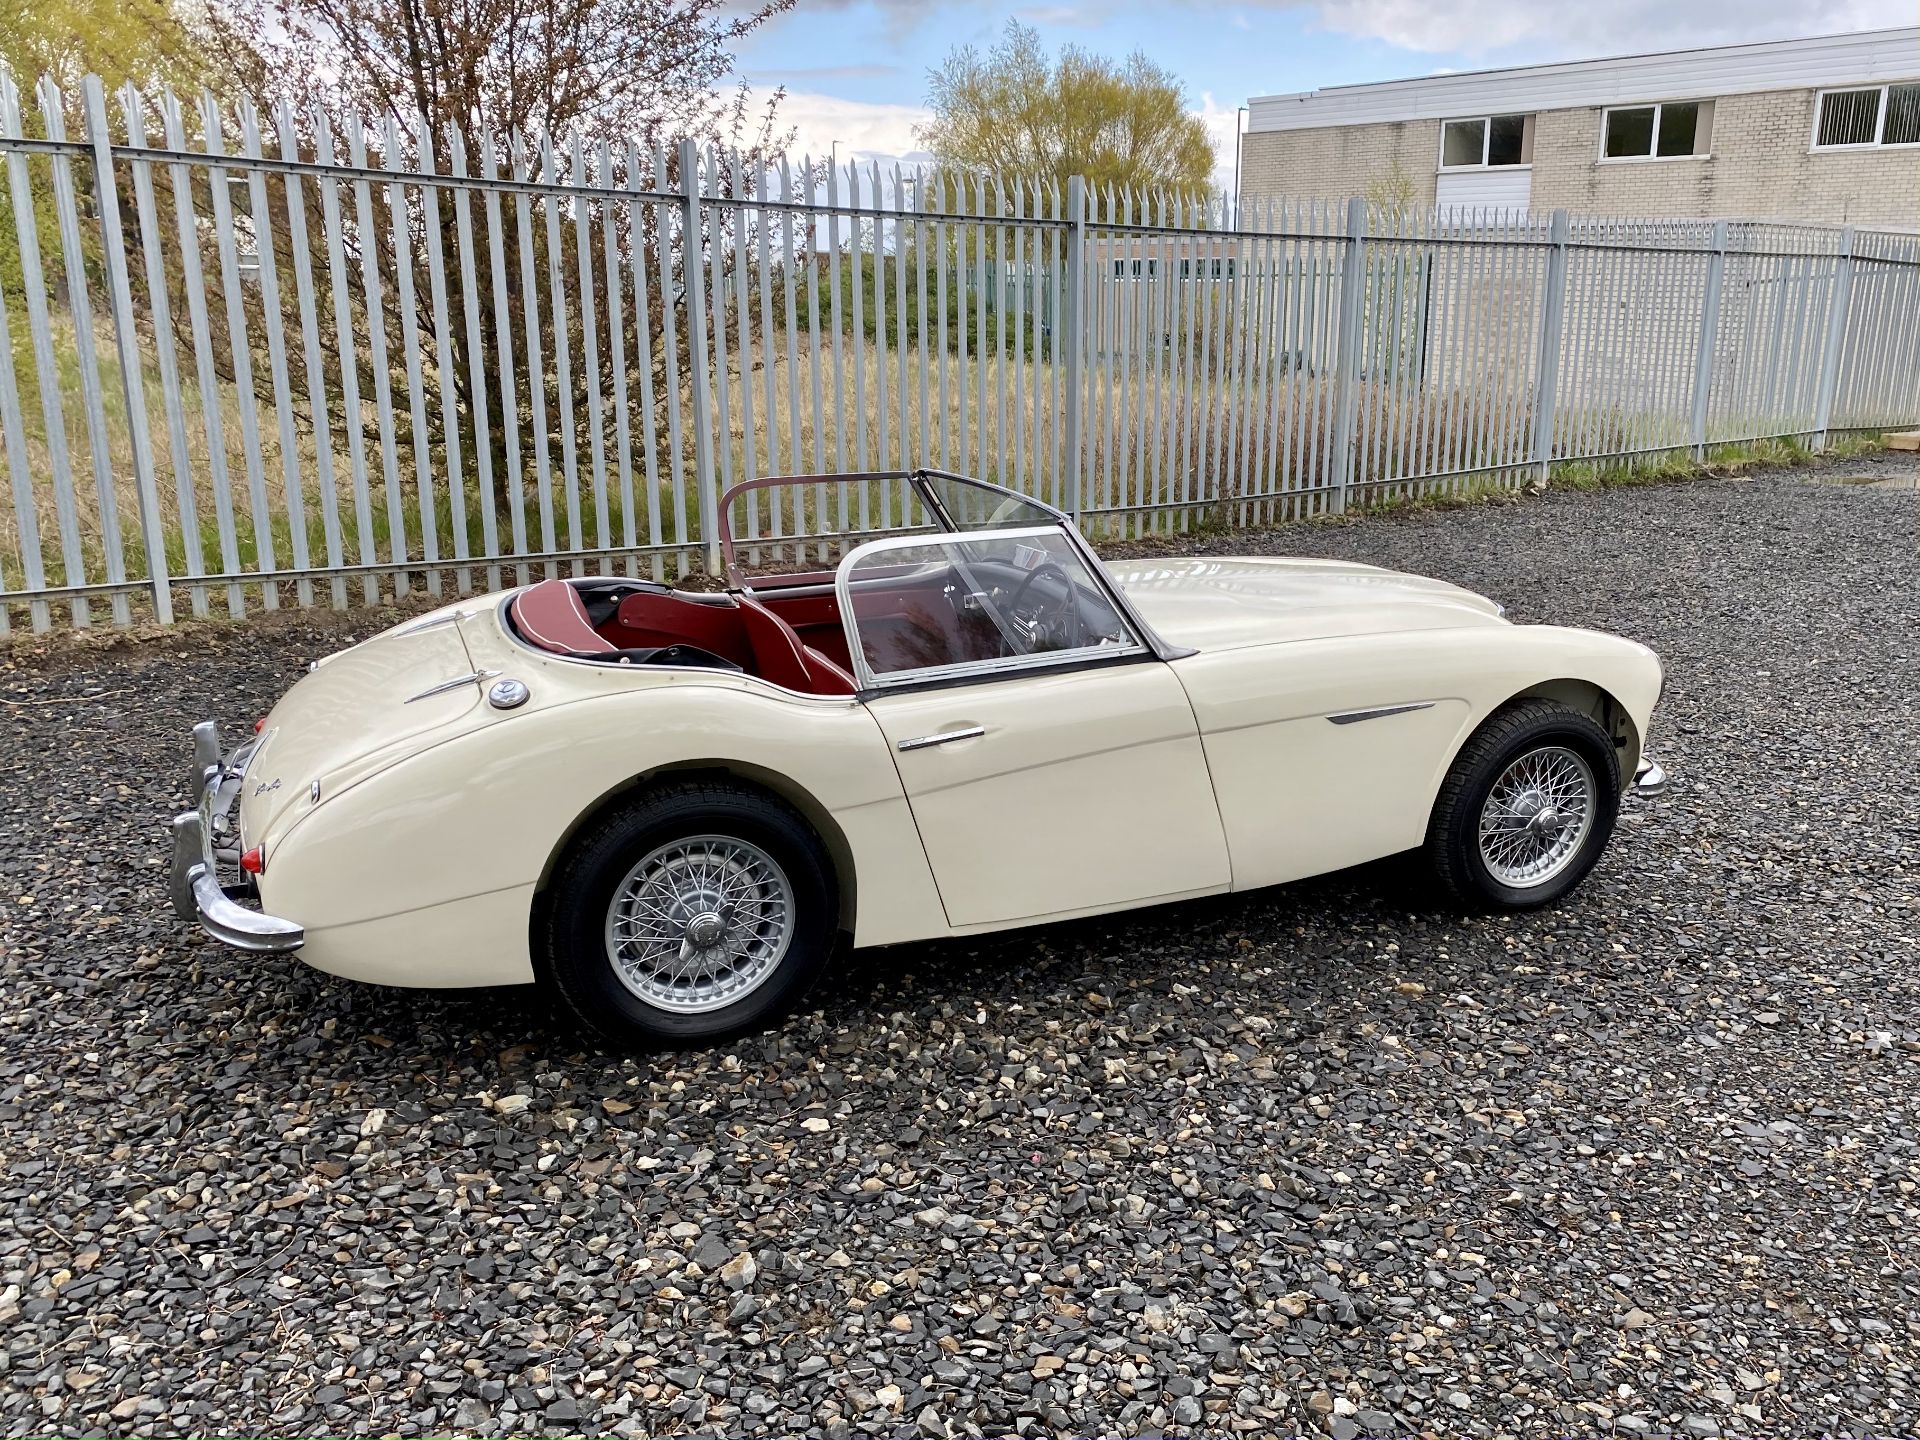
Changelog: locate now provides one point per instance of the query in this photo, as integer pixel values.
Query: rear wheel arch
(739, 773)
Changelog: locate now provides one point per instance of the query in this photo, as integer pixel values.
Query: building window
(1673, 130)
(1487, 141)
(1135, 269)
(1214, 268)
(1881, 115)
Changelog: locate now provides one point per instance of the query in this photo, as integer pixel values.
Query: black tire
(571, 939)
(1453, 834)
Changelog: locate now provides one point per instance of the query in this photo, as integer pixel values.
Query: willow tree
(1021, 115)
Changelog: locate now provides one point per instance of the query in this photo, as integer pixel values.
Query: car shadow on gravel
(1134, 947)
(1135, 950)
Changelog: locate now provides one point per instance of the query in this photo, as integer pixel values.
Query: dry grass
(1163, 448)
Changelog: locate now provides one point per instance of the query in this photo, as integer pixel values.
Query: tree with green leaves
(1019, 114)
(150, 42)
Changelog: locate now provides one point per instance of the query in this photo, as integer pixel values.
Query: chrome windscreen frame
(205, 836)
(869, 682)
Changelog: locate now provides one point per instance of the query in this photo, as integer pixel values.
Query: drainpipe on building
(1239, 137)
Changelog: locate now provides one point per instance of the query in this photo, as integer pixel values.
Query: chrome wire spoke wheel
(700, 923)
(1537, 816)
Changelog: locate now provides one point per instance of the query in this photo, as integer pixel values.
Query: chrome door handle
(945, 737)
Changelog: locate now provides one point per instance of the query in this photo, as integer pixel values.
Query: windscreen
(985, 507)
(988, 599)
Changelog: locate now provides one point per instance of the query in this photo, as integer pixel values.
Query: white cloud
(1483, 27)
(1222, 122)
(866, 130)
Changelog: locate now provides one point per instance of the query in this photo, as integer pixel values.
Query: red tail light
(253, 861)
(259, 724)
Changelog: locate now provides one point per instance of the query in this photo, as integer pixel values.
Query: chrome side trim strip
(1354, 717)
(945, 737)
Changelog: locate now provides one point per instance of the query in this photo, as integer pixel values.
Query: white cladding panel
(1870, 57)
(1505, 188)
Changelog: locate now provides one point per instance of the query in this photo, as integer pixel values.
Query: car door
(1066, 780)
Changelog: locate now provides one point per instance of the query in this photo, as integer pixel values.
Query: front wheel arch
(1595, 701)
(1585, 696)
(1461, 871)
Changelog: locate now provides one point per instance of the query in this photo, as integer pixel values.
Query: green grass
(1587, 476)
(1680, 463)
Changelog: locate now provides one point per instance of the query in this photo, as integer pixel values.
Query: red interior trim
(650, 619)
(552, 616)
(744, 631)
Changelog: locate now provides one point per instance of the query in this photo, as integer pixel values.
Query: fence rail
(250, 361)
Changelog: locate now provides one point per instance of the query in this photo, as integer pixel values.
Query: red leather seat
(778, 655)
(828, 675)
(552, 616)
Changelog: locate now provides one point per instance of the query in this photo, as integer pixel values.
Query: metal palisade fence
(251, 360)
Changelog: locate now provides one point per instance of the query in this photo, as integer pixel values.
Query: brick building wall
(1760, 167)
(1339, 161)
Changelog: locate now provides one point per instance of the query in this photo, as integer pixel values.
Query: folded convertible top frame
(737, 578)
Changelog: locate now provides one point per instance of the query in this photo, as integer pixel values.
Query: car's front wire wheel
(1527, 808)
(698, 912)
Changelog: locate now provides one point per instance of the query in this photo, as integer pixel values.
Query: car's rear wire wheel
(1526, 809)
(699, 923)
(697, 912)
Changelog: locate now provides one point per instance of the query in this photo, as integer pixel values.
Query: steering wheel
(1046, 614)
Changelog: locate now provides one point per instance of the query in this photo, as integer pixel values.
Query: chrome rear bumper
(1649, 778)
(205, 835)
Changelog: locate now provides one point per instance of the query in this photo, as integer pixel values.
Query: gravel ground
(1312, 1160)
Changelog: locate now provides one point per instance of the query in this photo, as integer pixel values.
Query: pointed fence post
(1072, 319)
(1841, 300)
(691, 276)
(1553, 317)
(1353, 295)
(127, 340)
(1709, 338)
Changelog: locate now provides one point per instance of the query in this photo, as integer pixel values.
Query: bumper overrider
(1649, 778)
(206, 835)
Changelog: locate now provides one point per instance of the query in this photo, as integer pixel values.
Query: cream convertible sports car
(668, 805)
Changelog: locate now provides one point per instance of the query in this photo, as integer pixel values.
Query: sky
(855, 71)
